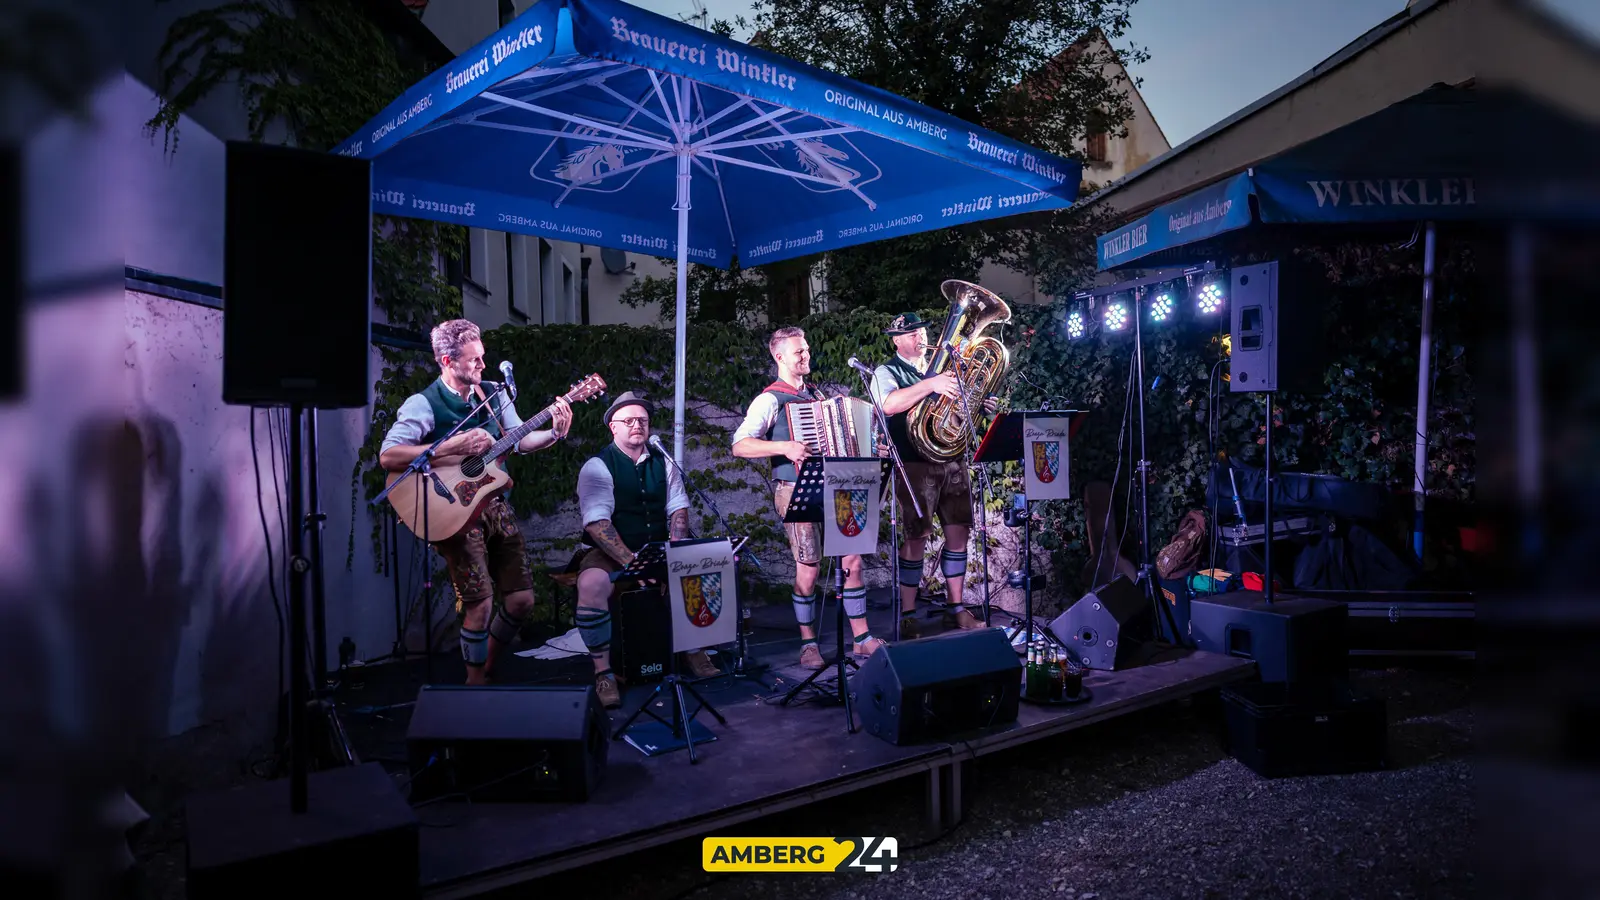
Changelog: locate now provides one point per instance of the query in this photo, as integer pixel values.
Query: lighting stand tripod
(1141, 478)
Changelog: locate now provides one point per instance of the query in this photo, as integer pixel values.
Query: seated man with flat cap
(629, 496)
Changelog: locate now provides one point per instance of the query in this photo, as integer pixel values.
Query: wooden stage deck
(768, 758)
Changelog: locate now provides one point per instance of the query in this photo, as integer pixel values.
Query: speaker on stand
(297, 301)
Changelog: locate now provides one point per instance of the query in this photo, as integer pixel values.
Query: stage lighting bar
(1117, 316)
(1077, 325)
(1163, 307)
(1209, 299)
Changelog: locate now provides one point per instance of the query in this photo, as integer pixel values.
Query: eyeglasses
(640, 421)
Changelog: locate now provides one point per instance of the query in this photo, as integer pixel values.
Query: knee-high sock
(910, 572)
(855, 606)
(594, 626)
(953, 563)
(474, 647)
(805, 608)
(855, 602)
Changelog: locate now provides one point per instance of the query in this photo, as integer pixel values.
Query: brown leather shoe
(811, 657)
(700, 665)
(605, 687)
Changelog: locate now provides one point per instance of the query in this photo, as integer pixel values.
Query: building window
(546, 254)
(516, 278)
(583, 290)
(1095, 147)
(569, 294)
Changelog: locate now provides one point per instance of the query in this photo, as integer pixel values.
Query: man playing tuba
(946, 488)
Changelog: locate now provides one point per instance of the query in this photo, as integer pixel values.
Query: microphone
(860, 367)
(511, 386)
(655, 442)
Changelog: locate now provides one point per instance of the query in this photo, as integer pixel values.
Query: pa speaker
(1105, 629)
(358, 834)
(511, 743)
(1292, 639)
(1276, 315)
(297, 278)
(925, 689)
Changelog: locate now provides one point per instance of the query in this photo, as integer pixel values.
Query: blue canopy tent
(1446, 154)
(597, 122)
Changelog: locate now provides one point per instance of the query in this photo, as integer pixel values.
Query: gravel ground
(1146, 806)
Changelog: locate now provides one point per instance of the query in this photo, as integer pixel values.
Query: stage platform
(767, 759)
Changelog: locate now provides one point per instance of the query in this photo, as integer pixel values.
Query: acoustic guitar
(452, 496)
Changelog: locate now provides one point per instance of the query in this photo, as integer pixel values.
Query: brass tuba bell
(937, 427)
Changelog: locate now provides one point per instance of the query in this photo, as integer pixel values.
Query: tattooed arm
(605, 536)
(679, 525)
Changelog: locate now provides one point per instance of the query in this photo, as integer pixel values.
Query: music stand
(1003, 443)
(807, 506)
(650, 563)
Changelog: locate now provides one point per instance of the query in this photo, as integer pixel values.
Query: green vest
(448, 409)
(782, 467)
(639, 492)
(905, 375)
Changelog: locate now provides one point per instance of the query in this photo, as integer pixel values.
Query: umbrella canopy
(1444, 154)
(597, 122)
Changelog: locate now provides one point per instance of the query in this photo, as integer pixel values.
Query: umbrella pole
(1424, 376)
(683, 301)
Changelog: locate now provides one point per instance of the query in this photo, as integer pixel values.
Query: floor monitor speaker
(926, 689)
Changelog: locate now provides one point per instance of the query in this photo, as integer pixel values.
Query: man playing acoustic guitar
(489, 553)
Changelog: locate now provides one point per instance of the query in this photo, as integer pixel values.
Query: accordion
(841, 426)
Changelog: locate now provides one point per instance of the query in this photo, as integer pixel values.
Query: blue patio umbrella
(597, 122)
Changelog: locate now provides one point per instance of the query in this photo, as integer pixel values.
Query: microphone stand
(894, 497)
(422, 467)
(742, 666)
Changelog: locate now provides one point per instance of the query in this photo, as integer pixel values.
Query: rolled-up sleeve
(758, 419)
(883, 384)
(596, 498)
(677, 496)
(413, 421)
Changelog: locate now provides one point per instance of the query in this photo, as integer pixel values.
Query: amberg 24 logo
(875, 855)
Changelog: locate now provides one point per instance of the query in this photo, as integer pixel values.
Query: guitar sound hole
(472, 467)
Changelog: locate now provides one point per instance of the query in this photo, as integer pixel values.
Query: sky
(1198, 73)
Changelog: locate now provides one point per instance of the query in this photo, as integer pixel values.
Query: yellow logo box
(873, 855)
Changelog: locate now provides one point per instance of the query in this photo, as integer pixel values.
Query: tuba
(937, 427)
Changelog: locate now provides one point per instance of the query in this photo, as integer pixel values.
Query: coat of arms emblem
(850, 511)
(1046, 460)
(702, 598)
